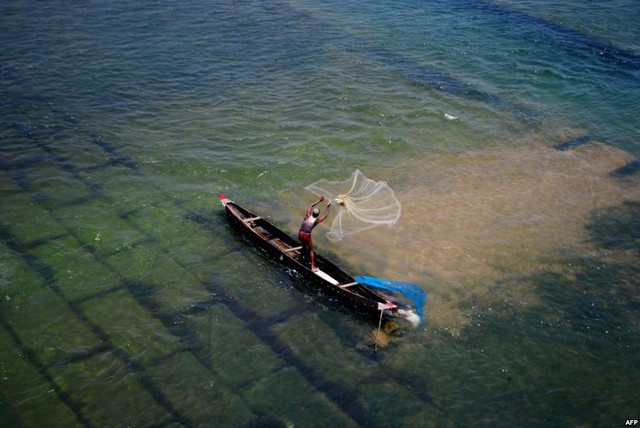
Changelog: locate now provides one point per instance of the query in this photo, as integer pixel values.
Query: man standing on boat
(310, 221)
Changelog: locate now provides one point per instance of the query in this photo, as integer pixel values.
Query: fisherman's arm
(326, 213)
(314, 204)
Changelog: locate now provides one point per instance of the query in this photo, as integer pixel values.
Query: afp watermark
(632, 422)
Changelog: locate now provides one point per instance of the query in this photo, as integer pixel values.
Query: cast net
(414, 292)
(360, 204)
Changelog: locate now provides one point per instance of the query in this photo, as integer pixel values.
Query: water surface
(508, 131)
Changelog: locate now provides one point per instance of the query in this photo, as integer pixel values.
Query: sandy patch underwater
(474, 219)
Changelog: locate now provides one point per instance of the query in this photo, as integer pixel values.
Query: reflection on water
(473, 219)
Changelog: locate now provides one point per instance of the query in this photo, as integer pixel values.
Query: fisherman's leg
(307, 246)
(312, 255)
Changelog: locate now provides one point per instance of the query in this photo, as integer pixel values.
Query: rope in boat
(375, 346)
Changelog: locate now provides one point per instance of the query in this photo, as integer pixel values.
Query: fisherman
(310, 221)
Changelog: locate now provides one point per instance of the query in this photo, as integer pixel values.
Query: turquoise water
(508, 131)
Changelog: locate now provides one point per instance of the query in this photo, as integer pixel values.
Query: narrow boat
(329, 278)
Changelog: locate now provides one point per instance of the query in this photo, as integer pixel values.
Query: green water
(127, 300)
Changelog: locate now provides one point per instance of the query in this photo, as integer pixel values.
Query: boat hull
(285, 250)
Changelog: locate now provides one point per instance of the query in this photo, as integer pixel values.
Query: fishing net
(417, 295)
(361, 204)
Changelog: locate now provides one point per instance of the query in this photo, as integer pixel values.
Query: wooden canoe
(329, 278)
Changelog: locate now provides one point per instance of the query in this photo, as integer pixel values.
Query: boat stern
(387, 306)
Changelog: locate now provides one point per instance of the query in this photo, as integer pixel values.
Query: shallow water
(472, 220)
(507, 130)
